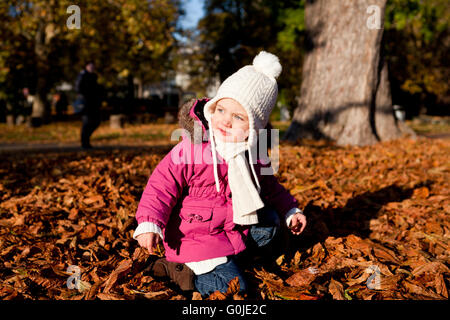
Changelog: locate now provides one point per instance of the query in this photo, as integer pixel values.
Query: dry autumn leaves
(378, 225)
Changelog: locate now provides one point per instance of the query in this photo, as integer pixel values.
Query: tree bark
(387, 127)
(41, 107)
(140, 88)
(345, 95)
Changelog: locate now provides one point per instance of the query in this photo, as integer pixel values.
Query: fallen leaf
(157, 295)
(421, 193)
(89, 231)
(93, 199)
(233, 286)
(336, 289)
(123, 268)
(279, 261)
(94, 290)
(196, 296)
(421, 291)
(109, 296)
(434, 267)
(302, 278)
(385, 255)
(440, 286)
(217, 295)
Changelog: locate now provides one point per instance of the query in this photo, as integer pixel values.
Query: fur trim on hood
(190, 112)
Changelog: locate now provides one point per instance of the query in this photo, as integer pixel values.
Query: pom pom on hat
(268, 64)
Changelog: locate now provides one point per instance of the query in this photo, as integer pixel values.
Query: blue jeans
(259, 236)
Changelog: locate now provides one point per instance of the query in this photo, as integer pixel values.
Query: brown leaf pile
(378, 225)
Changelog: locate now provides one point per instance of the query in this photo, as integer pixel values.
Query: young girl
(208, 199)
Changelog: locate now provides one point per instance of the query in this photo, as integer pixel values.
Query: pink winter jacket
(181, 198)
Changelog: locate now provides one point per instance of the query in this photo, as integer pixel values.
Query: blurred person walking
(25, 107)
(59, 104)
(89, 90)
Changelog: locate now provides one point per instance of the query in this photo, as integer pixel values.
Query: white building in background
(211, 90)
(183, 79)
(64, 86)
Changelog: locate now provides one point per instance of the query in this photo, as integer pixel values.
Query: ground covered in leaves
(378, 225)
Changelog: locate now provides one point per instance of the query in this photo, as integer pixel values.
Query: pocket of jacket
(195, 220)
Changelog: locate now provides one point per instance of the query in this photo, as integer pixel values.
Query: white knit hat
(255, 88)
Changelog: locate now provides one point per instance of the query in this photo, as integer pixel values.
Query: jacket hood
(191, 115)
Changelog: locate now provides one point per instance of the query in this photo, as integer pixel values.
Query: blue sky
(194, 11)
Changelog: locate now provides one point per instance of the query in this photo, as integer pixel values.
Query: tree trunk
(41, 107)
(116, 121)
(386, 124)
(345, 95)
(40, 104)
(140, 87)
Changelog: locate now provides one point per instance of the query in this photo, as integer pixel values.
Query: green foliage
(415, 36)
(233, 32)
(293, 20)
(123, 37)
(290, 42)
(427, 19)
(416, 32)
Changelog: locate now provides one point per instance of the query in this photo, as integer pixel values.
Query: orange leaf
(336, 289)
(124, 267)
(233, 286)
(421, 193)
(301, 278)
(217, 295)
(89, 231)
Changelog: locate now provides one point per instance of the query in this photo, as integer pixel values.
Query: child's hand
(148, 240)
(298, 223)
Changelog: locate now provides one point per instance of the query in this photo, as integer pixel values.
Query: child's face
(230, 121)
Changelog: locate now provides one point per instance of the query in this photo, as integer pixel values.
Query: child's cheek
(240, 134)
(213, 122)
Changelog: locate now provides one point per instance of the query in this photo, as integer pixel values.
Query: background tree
(232, 32)
(290, 48)
(417, 42)
(123, 38)
(345, 94)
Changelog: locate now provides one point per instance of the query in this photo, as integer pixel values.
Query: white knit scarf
(245, 197)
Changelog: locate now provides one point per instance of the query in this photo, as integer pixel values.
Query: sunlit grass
(69, 132)
(425, 127)
(54, 132)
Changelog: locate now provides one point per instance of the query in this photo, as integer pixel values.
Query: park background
(370, 171)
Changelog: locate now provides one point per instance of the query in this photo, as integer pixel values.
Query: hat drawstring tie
(253, 169)
(214, 155)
